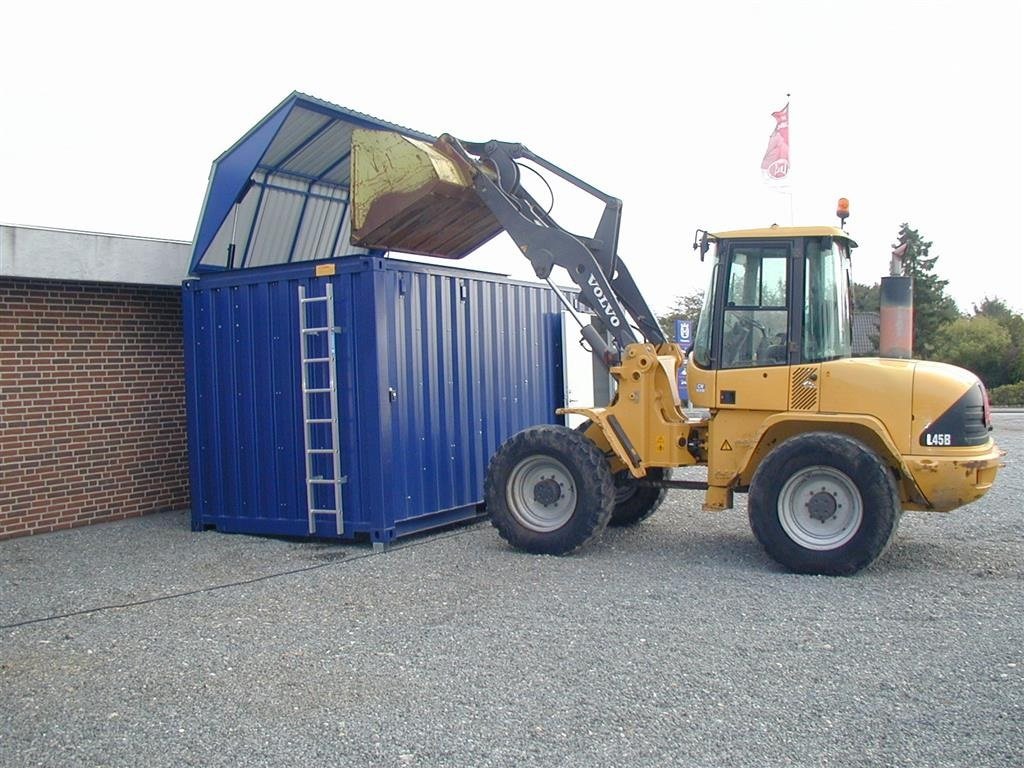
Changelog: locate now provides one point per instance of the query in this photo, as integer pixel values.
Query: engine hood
(949, 408)
(907, 396)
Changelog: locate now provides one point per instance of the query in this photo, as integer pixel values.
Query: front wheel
(823, 503)
(549, 490)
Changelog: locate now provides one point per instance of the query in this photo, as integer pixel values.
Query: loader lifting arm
(447, 198)
(606, 285)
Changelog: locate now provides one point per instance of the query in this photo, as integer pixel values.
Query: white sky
(111, 113)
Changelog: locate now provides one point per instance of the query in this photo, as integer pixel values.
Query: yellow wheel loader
(830, 449)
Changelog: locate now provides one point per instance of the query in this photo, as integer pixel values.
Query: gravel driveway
(140, 643)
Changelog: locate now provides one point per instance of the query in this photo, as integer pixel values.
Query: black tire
(634, 503)
(549, 490)
(823, 503)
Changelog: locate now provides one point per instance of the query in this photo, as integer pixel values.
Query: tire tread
(869, 473)
(595, 489)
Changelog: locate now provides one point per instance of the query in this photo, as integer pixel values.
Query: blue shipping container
(435, 368)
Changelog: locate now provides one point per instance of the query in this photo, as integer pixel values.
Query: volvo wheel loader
(829, 448)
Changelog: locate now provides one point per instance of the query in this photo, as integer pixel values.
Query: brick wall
(92, 408)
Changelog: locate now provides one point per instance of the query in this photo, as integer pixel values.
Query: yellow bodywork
(948, 477)
(776, 231)
(884, 404)
(645, 426)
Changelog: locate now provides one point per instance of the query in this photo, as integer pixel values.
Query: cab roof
(777, 232)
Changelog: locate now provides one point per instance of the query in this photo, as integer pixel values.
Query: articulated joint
(644, 427)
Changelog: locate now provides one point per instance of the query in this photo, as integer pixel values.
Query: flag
(775, 164)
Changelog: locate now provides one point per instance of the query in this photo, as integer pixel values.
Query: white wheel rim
(541, 493)
(820, 508)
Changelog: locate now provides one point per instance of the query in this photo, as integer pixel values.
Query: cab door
(750, 349)
(753, 347)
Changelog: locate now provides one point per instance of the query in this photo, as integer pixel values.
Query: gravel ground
(676, 643)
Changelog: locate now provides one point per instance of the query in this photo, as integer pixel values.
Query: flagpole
(789, 121)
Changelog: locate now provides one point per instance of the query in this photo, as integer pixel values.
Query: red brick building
(92, 408)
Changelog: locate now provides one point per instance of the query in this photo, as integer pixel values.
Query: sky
(111, 113)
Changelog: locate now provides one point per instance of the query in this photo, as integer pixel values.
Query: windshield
(828, 330)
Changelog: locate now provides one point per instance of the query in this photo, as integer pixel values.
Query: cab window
(827, 323)
(755, 318)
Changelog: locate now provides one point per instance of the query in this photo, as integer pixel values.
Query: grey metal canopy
(281, 192)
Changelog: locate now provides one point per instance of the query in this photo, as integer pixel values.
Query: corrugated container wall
(435, 367)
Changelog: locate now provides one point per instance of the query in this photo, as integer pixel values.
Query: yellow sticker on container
(324, 270)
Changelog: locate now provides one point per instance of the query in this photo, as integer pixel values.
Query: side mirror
(700, 240)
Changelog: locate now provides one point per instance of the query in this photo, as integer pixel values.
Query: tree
(995, 308)
(978, 344)
(932, 307)
(685, 307)
(866, 298)
(1013, 361)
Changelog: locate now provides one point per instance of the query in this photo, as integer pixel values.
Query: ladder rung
(312, 387)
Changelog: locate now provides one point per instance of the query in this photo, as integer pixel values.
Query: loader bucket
(415, 197)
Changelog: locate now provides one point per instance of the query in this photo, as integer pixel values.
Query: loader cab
(777, 297)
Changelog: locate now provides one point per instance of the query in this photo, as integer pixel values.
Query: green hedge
(1008, 394)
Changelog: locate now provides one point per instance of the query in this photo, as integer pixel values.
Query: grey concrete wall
(62, 254)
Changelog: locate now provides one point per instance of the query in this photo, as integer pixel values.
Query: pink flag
(775, 164)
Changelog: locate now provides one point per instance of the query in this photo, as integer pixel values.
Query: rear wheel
(549, 490)
(634, 501)
(823, 503)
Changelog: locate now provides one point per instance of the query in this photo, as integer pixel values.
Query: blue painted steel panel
(230, 174)
(436, 367)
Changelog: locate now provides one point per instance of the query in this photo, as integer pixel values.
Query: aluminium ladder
(320, 408)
